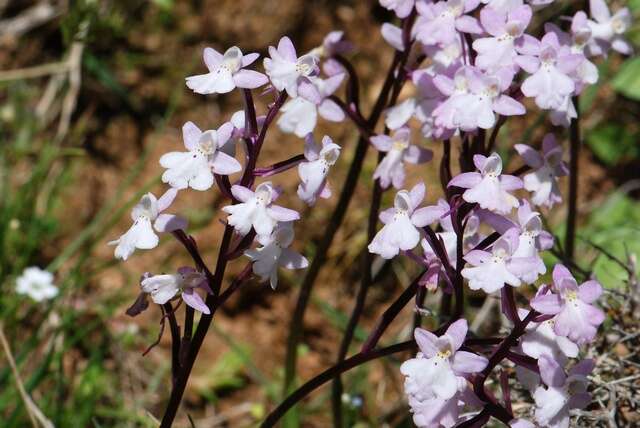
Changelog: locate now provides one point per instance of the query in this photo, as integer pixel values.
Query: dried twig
(38, 418)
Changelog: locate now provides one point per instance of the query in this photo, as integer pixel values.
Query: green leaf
(611, 142)
(627, 80)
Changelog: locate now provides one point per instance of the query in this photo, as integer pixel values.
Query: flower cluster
(473, 64)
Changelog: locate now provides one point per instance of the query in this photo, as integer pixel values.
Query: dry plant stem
(295, 330)
(356, 360)
(35, 414)
(572, 215)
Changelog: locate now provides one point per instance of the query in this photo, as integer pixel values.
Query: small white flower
(285, 69)
(313, 173)
(37, 284)
(141, 234)
(195, 168)
(275, 253)
(257, 210)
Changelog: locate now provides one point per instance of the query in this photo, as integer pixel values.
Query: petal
(283, 214)
(249, 79)
(287, 50)
(551, 372)
(190, 135)
(170, 223)
(331, 111)
(467, 362)
(466, 180)
(241, 193)
(212, 58)
(224, 164)
(290, 259)
(426, 342)
(416, 155)
(167, 199)
(549, 304)
(457, 332)
(194, 300)
(507, 106)
(590, 291)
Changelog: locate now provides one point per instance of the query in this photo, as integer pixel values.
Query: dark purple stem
(279, 167)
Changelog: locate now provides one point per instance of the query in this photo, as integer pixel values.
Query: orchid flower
(313, 173)
(226, 72)
(562, 393)
(489, 187)
(506, 30)
(286, 70)
(439, 22)
(491, 270)
(548, 166)
(256, 209)
(195, 168)
(300, 115)
(575, 316)
(163, 288)
(401, 223)
(141, 234)
(439, 368)
(607, 30)
(398, 150)
(275, 253)
(551, 66)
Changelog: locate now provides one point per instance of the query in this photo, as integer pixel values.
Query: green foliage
(615, 227)
(613, 142)
(627, 80)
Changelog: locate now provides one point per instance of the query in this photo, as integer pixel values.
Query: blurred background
(92, 94)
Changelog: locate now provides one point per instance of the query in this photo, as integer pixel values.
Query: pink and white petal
(457, 332)
(477, 257)
(510, 182)
(528, 63)
(167, 199)
(426, 215)
(194, 300)
(190, 135)
(466, 180)
(444, 84)
(224, 164)
(309, 91)
(382, 142)
(416, 194)
(290, 259)
(590, 291)
(426, 342)
(467, 362)
(417, 155)
(283, 214)
(212, 58)
(170, 223)
(551, 372)
(287, 50)
(560, 274)
(493, 21)
(599, 10)
(549, 304)
(507, 106)
(249, 59)
(530, 156)
(249, 79)
(386, 216)
(468, 24)
(622, 46)
(224, 133)
(567, 347)
(331, 111)
(583, 368)
(580, 400)
(241, 193)
(392, 35)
